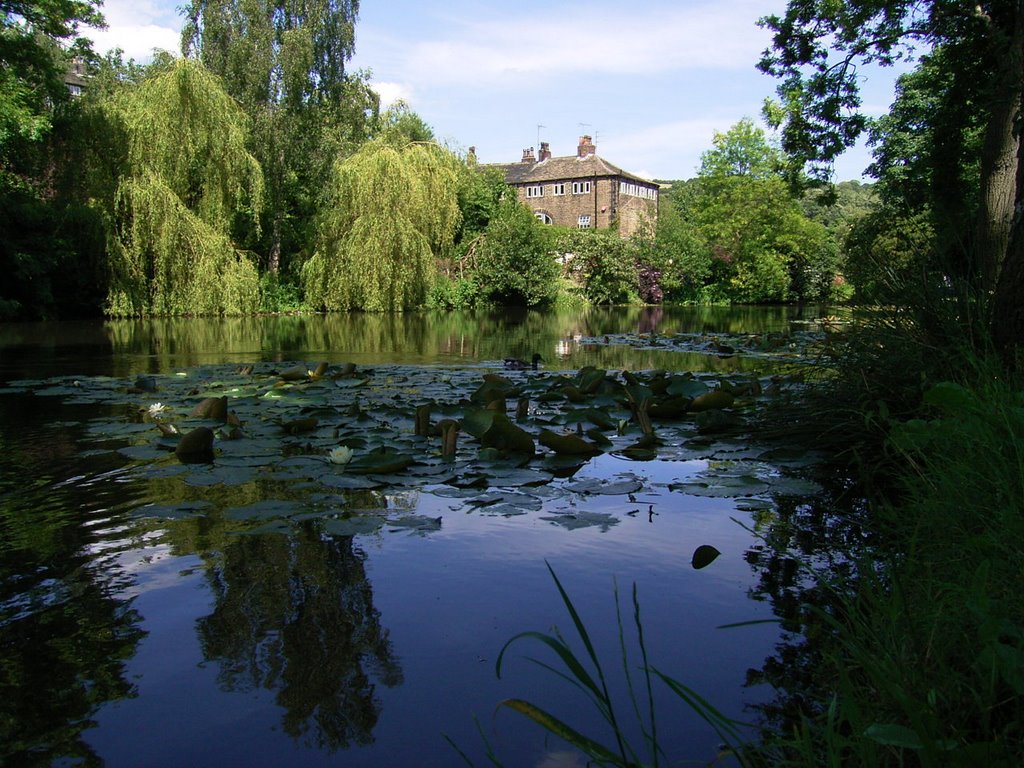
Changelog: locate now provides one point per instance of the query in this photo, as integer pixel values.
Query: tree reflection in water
(806, 545)
(295, 614)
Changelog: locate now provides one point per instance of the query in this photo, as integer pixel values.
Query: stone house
(582, 190)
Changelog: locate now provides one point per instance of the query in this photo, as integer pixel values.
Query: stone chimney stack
(528, 156)
(586, 147)
(545, 151)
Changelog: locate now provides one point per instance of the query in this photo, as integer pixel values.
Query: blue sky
(650, 80)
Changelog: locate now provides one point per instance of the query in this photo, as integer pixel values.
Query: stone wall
(602, 203)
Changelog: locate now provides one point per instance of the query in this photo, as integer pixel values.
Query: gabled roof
(565, 169)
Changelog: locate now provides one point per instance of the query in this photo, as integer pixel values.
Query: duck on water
(515, 364)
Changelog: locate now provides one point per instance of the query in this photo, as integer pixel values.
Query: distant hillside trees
(737, 233)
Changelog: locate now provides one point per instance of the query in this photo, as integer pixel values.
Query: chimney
(528, 156)
(586, 147)
(545, 151)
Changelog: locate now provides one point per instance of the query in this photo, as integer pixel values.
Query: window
(558, 189)
(581, 187)
(535, 191)
(636, 190)
(584, 221)
(543, 217)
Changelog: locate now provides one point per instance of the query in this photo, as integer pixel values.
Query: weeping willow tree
(393, 211)
(189, 176)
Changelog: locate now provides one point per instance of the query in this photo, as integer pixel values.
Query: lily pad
(416, 523)
(378, 462)
(600, 486)
(263, 510)
(181, 511)
(352, 526)
(583, 519)
(571, 444)
(704, 556)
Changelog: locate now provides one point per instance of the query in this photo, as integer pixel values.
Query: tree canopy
(189, 175)
(393, 212)
(285, 63)
(37, 42)
(973, 120)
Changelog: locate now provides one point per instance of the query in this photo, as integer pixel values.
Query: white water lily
(156, 409)
(340, 455)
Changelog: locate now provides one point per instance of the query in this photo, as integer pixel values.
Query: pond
(270, 606)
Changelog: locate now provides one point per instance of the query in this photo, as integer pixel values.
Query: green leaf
(712, 401)
(379, 462)
(571, 445)
(893, 735)
(952, 398)
(565, 732)
(704, 556)
(691, 388)
(476, 422)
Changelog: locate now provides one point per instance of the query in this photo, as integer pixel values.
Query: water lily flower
(342, 454)
(156, 409)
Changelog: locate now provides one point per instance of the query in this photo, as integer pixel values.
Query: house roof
(564, 169)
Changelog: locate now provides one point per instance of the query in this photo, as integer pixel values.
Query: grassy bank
(925, 648)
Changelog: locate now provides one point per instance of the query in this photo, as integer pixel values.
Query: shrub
(514, 265)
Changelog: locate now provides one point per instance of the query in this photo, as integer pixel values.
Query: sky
(650, 80)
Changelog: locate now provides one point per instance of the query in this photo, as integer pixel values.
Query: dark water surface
(195, 638)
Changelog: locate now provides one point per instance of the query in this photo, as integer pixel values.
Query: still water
(148, 618)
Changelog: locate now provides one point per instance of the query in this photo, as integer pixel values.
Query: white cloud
(391, 92)
(137, 27)
(673, 148)
(571, 42)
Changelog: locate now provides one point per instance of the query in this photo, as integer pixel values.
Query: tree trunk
(1008, 299)
(999, 154)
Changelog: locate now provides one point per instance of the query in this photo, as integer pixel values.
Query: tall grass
(924, 646)
(586, 671)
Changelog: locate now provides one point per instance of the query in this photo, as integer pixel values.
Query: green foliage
(678, 249)
(400, 125)
(743, 150)
(514, 264)
(393, 212)
(189, 175)
(29, 252)
(888, 250)
(951, 143)
(601, 263)
(585, 671)
(480, 192)
(280, 296)
(453, 293)
(37, 44)
(285, 63)
(737, 234)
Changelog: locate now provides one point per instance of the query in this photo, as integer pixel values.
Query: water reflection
(66, 631)
(295, 614)
(820, 531)
(154, 345)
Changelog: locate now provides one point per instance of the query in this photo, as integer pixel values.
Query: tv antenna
(539, 126)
